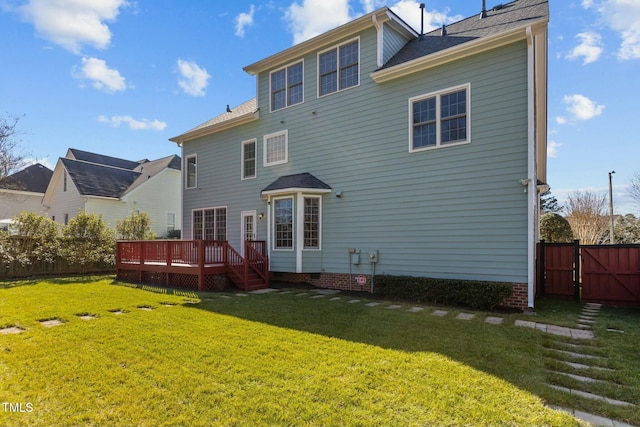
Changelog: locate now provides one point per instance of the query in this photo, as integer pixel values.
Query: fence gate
(611, 273)
(596, 273)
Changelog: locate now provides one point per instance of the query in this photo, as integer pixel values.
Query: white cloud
(590, 47)
(144, 124)
(72, 23)
(104, 78)
(623, 16)
(552, 149)
(409, 11)
(314, 17)
(244, 20)
(194, 80)
(587, 3)
(581, 107)
(44, 161)
(371, 5)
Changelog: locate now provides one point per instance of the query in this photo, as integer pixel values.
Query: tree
(587, 217)
(634, 189)
(136, 226)
(555, 229)
(549, 203)
(627, 230)
(87, 241)
(10, 161)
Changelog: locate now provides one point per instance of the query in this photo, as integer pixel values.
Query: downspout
(532, 193)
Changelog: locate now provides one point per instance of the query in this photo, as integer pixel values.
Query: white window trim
(255, 160)
(301, 226)
(438, 95)
(272, 230)
(338, 51)
(286, 86)
(186, 171)
(203, 224)
(286, 151)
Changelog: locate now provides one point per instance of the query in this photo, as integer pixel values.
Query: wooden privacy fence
(608, 274)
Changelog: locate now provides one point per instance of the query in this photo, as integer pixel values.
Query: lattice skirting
(212, 282)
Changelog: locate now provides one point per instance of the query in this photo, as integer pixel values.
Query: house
(372, 149)
(23, 191)
(113, 188)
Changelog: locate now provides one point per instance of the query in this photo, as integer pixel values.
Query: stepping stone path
(465, 316)
(50, 323)
(580, 353)
(11, 330)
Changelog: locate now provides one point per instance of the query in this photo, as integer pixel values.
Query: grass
(273, 359)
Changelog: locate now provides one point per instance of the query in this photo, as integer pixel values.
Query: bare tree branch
(10, 161)
(586, 213)
(634, 189)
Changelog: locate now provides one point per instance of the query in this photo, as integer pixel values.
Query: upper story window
(276, 148)
(249, 159)
(287, 86)
(191, 175)
(339, 68)
(440, 118)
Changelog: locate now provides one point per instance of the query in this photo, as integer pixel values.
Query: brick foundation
(341, 281)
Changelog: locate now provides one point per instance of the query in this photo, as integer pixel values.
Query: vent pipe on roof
(443, 32)
(421, 20)
(483, 14)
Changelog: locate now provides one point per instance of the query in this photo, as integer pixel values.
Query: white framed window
(209, 223)
(249, 157)
(339, 68)
(276, 148)
(312, 220)
(191, 171)
(171, 221)
(440, 119)
(283, 223)
(287, 86)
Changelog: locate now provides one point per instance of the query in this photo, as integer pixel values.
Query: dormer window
(339, 68)
(287, 86)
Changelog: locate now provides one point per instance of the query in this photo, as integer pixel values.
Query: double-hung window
(283, 223)
(311, 227)
(287, 86)
(339, 68)
(275, 148)
(191, 171)
(249, 159)
(440, 118)
(210, 224)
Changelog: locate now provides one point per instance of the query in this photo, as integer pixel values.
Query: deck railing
(197, 254)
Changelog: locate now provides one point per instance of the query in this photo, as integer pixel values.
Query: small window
(249, 159)
(311, 223)
(283, 223)
(191, 172)
(339, 68)
(287, 86)
(66, 219)
(171, 222)
(275, 148)
(439, 119)
(64, 181)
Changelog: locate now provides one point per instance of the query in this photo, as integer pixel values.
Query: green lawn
(269, 359)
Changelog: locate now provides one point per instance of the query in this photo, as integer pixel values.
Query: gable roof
(104, 160)
(296, 182)
(150, 169)
(92, 179)
(498, 20)
(33, 179)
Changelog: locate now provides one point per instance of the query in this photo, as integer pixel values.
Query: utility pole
(611, 207)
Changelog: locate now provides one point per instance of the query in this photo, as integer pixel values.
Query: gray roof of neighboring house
(104, 160)
(103, 180)
(34, 179)
(299, 180)
(499, 19)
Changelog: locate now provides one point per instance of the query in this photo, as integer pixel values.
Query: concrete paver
(465, 316)
(373, 304)
(494, 320)
(439, 313)
(394, 307)
(525, 324)
(415, 309)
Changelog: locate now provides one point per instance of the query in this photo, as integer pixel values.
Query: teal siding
(392, 43)
(455, 212)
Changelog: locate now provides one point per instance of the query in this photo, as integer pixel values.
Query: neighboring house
(23, 191)
(114, 188)
(371, 149)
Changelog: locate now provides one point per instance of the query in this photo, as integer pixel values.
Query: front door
(248, 228)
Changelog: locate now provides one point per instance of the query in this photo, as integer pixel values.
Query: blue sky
(120, 77)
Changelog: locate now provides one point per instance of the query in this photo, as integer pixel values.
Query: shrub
(555, 229)
(88, 241)
(136, 226)
(471, 293)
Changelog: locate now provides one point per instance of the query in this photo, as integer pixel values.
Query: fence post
(201, 263)
(576, 270)
(542, 274)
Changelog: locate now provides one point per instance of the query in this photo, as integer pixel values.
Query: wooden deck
(194, 264)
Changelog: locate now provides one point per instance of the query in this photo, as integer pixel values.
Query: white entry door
(248, 228)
